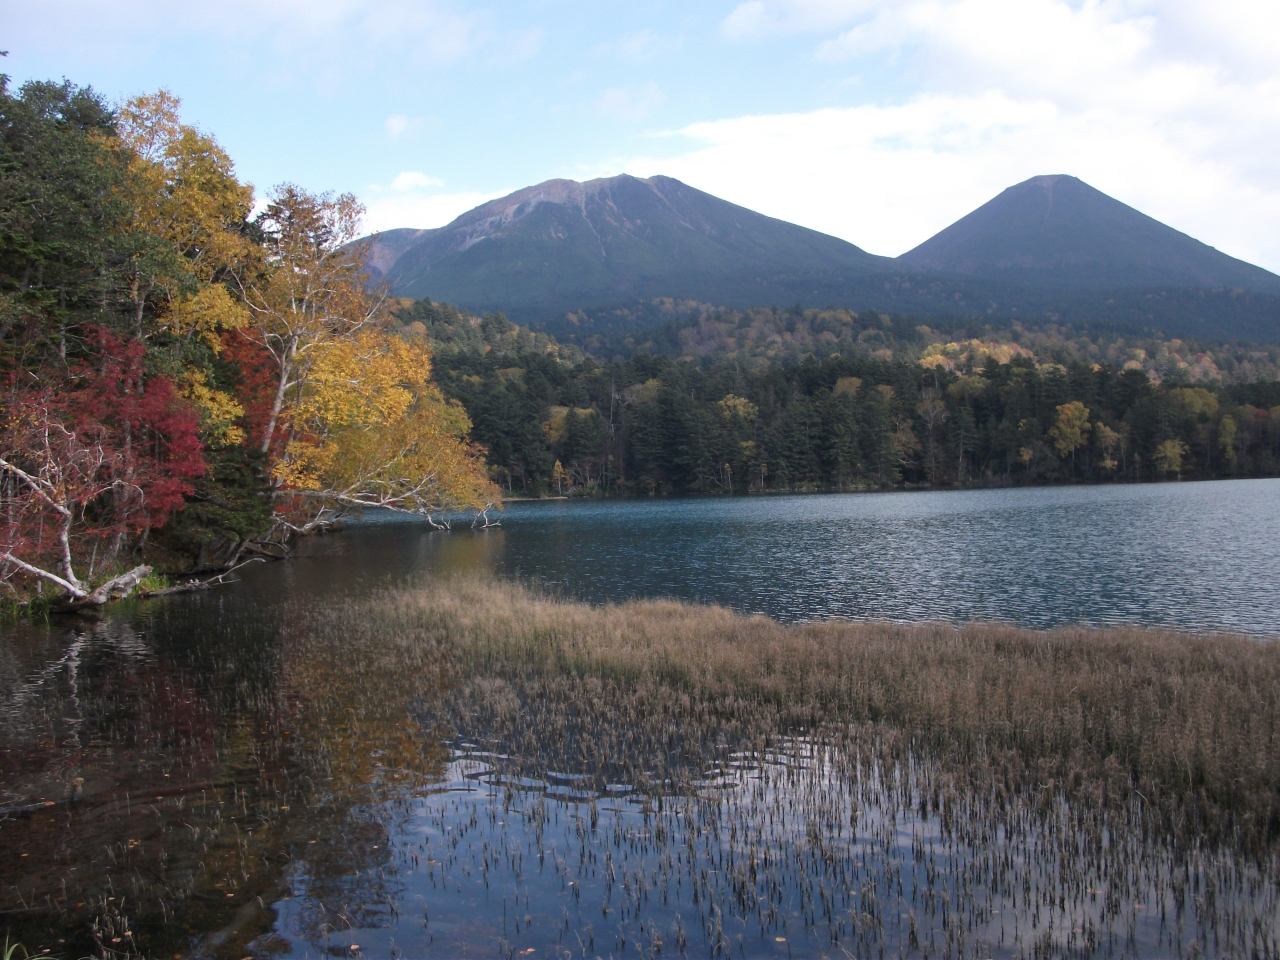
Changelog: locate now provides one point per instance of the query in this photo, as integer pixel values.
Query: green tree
(933, 414)
(60, 205)
(1227, 433)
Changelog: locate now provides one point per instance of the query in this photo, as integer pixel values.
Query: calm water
(244, 793)
(1193, 555)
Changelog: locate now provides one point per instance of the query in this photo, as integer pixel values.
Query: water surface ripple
(1203, 556)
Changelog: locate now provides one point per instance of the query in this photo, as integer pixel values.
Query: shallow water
(798, 852)
(243, 794)
(298, 800)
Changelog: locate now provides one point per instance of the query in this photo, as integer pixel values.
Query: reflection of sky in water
(1196, 555)
(798, 853)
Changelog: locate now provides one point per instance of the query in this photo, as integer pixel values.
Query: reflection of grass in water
(1094, 777)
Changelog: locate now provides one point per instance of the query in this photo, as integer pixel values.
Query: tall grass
(1189, 723)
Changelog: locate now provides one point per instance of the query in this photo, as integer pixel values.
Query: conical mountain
(1057, 232)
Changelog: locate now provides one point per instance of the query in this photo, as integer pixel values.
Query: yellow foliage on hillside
(970, 354)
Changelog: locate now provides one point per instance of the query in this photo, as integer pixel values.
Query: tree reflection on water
(159, 801)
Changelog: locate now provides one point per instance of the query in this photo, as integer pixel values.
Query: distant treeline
(555, 419)
(686, 328)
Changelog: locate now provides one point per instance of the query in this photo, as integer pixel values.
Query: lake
(246, 784)
(1200, 556)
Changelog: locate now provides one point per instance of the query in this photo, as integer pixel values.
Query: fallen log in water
(117, 588)
(192, 585)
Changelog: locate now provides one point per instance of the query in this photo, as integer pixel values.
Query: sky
(879, 122)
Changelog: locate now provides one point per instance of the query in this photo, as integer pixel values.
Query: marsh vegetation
(468, 767)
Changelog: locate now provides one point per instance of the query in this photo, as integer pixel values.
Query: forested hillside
(758, 335)
(898, 410)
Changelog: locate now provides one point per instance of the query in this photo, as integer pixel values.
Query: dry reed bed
(1074, 792)
(1190, 722)
(1068, 793)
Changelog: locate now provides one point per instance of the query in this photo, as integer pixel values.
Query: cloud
(888, 177)
(321, 40)
(631, 102)
(413, 180)
(1171, 106)
(421, 211)
(409, 200)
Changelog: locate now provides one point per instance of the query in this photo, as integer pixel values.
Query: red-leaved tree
(91, 458)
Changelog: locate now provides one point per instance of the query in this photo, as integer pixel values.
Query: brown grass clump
(1191, 723)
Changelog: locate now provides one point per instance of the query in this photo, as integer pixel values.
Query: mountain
(1058, 232)
(564, 246)
(562, 254)
(384, 249)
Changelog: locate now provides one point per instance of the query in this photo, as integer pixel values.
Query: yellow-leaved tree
(351, 417)
(371, 430)
(182, 242)
(309, 294)
(1070, 430)
(182, 236)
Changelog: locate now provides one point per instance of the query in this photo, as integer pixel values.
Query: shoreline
(894, 488)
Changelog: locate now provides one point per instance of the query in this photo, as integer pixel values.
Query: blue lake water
(1202, 556)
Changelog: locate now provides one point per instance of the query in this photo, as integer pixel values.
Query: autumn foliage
(176, 370)
(92, 459)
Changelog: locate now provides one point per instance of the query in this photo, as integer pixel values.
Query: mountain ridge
(1051, 247)
(563, 245)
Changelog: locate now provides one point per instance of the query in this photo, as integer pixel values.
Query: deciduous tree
(1070, 430)
(88, 462)
(1168, 457)
(371, 430)
(310, 293)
